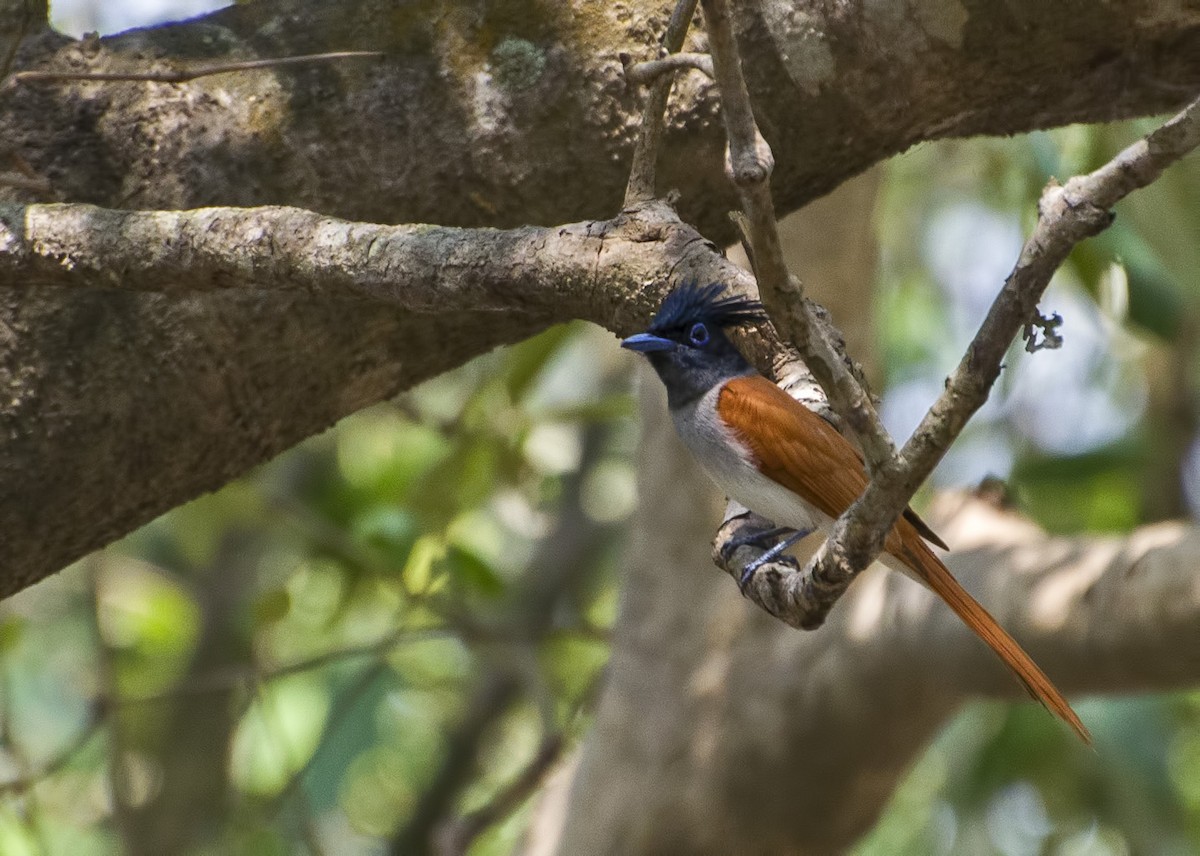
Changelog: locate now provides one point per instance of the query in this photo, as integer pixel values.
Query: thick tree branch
(556, 272)
(511, 105)
(388, 289)
(1102, 614)
(100, 464)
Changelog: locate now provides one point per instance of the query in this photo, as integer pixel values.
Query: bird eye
(699, 334)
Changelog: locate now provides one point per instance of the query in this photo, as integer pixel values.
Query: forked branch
(1067, 215)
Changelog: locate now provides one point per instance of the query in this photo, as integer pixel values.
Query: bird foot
(769, 556)
(756, 538)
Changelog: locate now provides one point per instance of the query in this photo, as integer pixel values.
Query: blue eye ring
(699, 334)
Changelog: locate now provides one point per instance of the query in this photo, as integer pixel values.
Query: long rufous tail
(913, 552)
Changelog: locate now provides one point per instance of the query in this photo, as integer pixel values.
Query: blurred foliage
(314, 631)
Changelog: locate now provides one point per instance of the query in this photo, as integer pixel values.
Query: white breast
(730, 464)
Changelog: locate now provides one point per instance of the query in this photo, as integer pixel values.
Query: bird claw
(755, 538)
(771, 555)
(747, 575)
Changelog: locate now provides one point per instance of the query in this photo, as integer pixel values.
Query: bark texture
(118, 406)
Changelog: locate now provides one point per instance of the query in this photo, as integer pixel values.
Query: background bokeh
(439, 573)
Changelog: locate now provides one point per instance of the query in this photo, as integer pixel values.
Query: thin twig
(224, 679)
(492, 698)
(64, 756)
(641, 186)
(456, 839)
(456, 836)
(106, 668)
(749, 163)
(184, 75)
(560, 563)
(1067, 215)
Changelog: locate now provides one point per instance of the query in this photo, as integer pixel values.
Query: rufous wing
(824, 470)
(792, 445)
(801, 451)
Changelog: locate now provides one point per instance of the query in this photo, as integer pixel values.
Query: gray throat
(688, 373)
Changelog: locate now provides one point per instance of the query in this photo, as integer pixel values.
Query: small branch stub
(750, 166)
(642, 73)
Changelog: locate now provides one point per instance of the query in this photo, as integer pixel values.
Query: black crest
(692, 302)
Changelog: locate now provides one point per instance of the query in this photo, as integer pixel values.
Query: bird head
(686, 342)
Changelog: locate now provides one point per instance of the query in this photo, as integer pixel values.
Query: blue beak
(647, 342)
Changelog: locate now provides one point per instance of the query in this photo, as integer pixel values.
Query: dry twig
(749, 164)
(641, 186)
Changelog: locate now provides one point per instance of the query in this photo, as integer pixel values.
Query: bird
(788, 464)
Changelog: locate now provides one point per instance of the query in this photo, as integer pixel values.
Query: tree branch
(642, 186)
(456, 838)
(749, 164)
(1102, 613)
(651, 70)
(387, 299)
(473, 121)
(63, 757)
(577, 270)
(492, 697)
(563, 560)
(419, 268)
(803, 597)
(1066, 216)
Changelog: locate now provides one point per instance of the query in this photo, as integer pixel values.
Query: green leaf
(390, 530)
(278, 734)
(12, 631)
(526, 360)
(381, 454)
(271, 607)
(473, 572)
